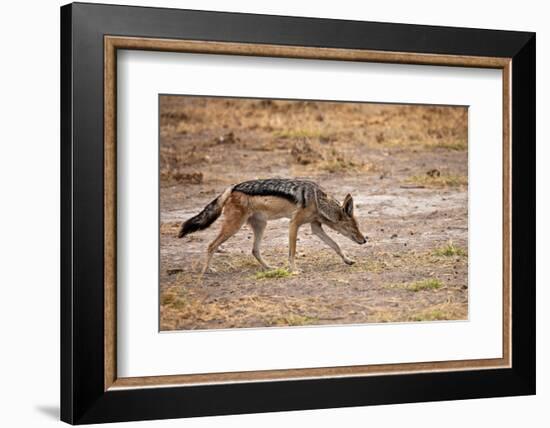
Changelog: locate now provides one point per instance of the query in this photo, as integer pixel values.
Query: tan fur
(257, 210)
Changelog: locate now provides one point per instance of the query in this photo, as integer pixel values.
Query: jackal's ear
(328, 208)
(348, 205)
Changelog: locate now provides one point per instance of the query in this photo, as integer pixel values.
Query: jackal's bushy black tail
(207, 216)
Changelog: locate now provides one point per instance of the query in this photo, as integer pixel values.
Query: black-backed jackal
(259, 201)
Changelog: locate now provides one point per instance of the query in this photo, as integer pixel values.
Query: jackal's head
(341, 219)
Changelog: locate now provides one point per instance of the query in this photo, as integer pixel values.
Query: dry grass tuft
(438, 181)
(450, 250)
(430, 315)
(294, 320)
(304, 153)
(320, 157)
(179, 175)
(340, 164)
(301, 134)
(458, 146)
(441, 312)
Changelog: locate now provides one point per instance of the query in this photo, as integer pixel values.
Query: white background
(29, 218)
(142, 351)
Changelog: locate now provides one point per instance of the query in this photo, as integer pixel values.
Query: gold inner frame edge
(113, 43)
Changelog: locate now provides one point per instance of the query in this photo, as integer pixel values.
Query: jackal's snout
(359, 238)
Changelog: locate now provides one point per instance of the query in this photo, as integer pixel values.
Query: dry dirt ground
(406, 167)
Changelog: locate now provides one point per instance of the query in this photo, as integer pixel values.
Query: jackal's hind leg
(233, 220)
(317, 229)
(258, 225)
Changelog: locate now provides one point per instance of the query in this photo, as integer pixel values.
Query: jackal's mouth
(361, 241)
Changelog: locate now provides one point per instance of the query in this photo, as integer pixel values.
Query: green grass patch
(274, 273)
(450, 250)
(425, 284)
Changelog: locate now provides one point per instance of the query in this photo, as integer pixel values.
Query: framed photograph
(265, 213)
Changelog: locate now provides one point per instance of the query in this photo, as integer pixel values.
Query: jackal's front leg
(317, 229)
(292, 236)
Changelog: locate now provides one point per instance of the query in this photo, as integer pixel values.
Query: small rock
(433, 173)
(228, 138)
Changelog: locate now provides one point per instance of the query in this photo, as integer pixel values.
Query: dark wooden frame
(90, 35)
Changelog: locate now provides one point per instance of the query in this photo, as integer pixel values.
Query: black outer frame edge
(300, 31)
(168, 403)
(524, 219)
(66, 306)
(82, 397)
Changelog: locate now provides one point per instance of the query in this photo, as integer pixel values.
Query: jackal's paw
(349, 261)
(207, 271)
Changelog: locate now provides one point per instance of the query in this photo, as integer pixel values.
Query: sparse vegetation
(301, 133)
(178, 175)
(425, 284)
(294, 320)
(274, 273)
(173, 300)
(450, 250)
(458, 146)
(371, 265)
(431, 315)
(320, 158)
(339, 164)
(443, 180)
(167, 299)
